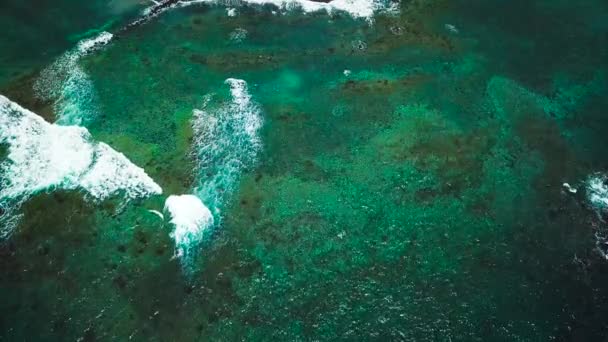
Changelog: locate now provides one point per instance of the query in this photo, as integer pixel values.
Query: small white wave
(160, 7)
(190, 218)
(87, 46)
(569, 188)
(157, 213)
(43, 156)
(68, 84)
(238, 35)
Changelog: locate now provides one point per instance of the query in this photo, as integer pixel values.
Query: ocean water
(423, 170)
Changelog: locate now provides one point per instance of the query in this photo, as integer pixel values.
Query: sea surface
(289, 170)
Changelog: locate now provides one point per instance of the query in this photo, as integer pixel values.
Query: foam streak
(226, 143)
(68, 84)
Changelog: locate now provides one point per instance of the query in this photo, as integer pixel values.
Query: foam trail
(226, 143)
(43, 157)
(66, 83)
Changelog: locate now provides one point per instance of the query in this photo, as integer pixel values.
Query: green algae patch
(407, 185)
(3, 151)
(184, 134)
(140, 153)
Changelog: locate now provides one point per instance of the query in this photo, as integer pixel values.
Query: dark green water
(417, 197)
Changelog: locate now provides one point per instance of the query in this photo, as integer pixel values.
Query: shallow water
(392, 178)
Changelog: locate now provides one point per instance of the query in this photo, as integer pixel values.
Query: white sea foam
(112, 174)
(596, 188)
(68, 84)
(597, 191)
(191, 218)
(87, 46)
(355, 8)
(226, 143)
(238, 35)
(44, 156)
(570, 188)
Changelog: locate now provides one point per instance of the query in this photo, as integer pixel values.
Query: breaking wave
(355, 8)
(68, 84)
(43, 157)
(597, 191)
(226, 144)
(596, 188)
(191, 218)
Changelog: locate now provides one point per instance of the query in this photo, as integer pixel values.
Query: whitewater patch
(364, 9)
(68, 84)
(226, 144)
(190, 218)
(597, 191)
(43, 157)
(356, 8)
(596, 187)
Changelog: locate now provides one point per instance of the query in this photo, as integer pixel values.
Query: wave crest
(68, 84)
(43, 156)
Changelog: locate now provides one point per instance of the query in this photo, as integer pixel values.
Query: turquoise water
(393, 178)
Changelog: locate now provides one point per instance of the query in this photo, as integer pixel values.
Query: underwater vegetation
(423, 170)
